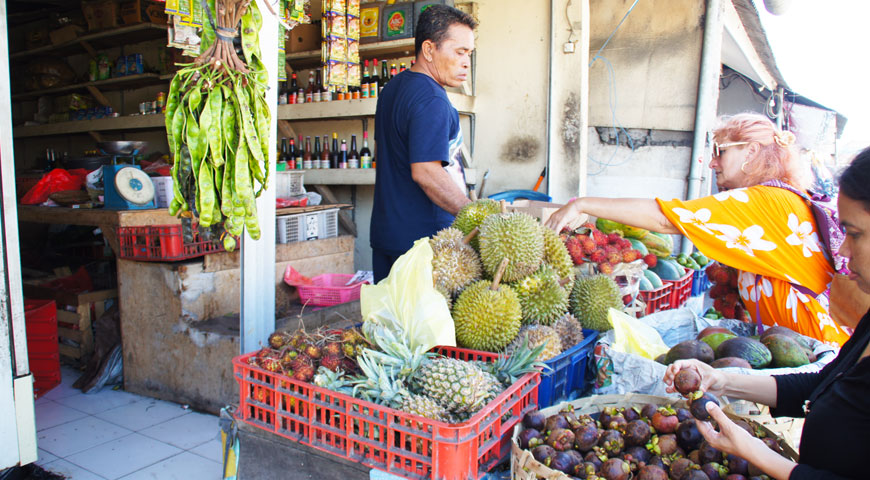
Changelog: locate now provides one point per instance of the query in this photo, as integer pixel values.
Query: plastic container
(161, 243)
(682, 289)
(300, 227)
(700, 282)
(568, 371)
(380, 437)
(40, 318)
(162, 191)
(657, 300)
(288, 184)
(42, 344)
(329, 289)
(43, 383)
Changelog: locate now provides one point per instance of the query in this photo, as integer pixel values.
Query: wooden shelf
(358, 176)
(117, 83)
(105, 39)
(389, 49)
(364, 107)
(130, 122)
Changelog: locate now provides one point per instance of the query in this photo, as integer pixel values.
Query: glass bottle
(293, 92)
(352, 155)
(365, 155)
(324, 156)
(334, 154)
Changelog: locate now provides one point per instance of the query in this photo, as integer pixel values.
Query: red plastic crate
(40, 317)
(657, 300)
(682, 289)
(44, 383)
(42, 344)
(329, 289)
(160, 243)
(380, 437)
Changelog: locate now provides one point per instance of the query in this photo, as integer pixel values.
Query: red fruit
(629, 256)
(605, 268)
(614, 238)
(727, 311)
(650, 260)
(624, 244)
(598, 256)
(718, 291)
(330, 361)
(733, 282)
(614, 258)
(270, 364)
(575, 250)
(588, 245)
(333, 348)
(600, 238)
(304, 373)
(731, 299)
(719, 304)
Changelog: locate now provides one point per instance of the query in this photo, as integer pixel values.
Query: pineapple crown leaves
(335, 381)
(508, 369)
(376, 384)
(396, 355)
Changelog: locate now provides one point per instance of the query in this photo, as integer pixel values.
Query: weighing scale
(127, 187)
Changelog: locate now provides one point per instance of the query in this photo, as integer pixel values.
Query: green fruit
(473, 214)
(716, 339)
(786, 352)
(746, 348)
(653, 278)
(645, 285)
(609, 226)
(692, 264)
(556, 255)
(486, 319)
(639, 246)
(700, 258)
(542, 298)
(668, 269)
(515, 236)
(592, 298)
(657, 245)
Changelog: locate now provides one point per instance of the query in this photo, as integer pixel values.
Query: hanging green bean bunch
(217, 125)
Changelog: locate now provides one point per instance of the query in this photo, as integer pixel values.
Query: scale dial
(134, 186)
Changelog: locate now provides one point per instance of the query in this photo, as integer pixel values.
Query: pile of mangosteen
(648, 442)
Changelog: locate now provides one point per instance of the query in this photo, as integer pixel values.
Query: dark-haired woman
(835, 401)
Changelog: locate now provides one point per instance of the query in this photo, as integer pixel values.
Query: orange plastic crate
(380, 437)
(160, 243)
(657, 300)
(682, 289)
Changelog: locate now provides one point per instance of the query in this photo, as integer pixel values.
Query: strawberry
(650, 260)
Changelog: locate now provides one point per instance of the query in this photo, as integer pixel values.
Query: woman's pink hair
(774, 161)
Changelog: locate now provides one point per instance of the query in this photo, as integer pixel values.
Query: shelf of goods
(389, 48)
(118, 83)
(130, 122)
(99, 40)
(363, 107)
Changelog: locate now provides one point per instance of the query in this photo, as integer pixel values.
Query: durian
(542, 297)
(455, 264)
(570, 331)
(535, 335)
(447, 296)
(515, 236)
(556, 255)
(591, 299)
(487, 315)
(473, 214)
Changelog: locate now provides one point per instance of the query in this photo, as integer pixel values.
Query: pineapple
(459, 386)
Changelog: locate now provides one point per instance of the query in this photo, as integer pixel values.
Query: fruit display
(455, 265)
(726, 298)
(300, 354)
(777, 347)
(603, 439)
(588, 244)
(487, 315)
(516, 237)
(668, 269)
(591, 299)
(473, 214)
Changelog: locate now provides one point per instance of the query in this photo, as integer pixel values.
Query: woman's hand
(712, 380)
(731, 438)
(562, 217)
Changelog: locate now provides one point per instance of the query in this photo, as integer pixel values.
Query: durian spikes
(497, 278)
(473, 233)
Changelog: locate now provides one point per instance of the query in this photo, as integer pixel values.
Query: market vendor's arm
(438, 186)
(637, 212)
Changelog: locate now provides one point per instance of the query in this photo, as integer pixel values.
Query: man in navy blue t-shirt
(420, 183)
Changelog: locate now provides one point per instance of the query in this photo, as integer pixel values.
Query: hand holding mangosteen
(705, 378)
(731, 438)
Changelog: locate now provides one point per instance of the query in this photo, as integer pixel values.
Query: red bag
(56, 180)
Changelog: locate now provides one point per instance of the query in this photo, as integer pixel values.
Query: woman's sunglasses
(719, 148)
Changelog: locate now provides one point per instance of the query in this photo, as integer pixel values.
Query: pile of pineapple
(509, 280)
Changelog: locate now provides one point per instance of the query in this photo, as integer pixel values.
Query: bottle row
(292, 91)
(304, 157)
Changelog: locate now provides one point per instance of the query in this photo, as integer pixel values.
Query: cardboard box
(542, 210)
(65, 34)
(303, 38)
(133, 12)
(100, 14)
(36, 38)
(397, 21)
(370, 22)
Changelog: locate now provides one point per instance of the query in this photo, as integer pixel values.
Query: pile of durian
(508, 279)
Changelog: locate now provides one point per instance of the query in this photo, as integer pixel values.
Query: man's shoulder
(418, 87)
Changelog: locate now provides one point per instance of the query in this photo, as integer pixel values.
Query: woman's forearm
(637, 212)
(773, 464)
(754, 388)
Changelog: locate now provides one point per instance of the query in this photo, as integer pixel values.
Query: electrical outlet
(568, 47)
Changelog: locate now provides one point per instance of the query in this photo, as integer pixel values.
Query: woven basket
(525, 467)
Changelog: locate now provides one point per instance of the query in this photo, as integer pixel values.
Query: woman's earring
(743, 167)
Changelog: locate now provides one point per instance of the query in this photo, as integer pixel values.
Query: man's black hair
(855, 180)
(434, 23)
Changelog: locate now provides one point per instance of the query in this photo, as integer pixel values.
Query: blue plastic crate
(700, 282)
(568, 371)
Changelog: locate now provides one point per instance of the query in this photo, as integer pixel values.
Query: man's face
(451, 62)
(855, 217)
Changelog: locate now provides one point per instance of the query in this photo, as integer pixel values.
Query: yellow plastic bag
(633, 336)
(407, 299)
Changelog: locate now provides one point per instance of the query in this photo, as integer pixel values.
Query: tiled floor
(114, 434)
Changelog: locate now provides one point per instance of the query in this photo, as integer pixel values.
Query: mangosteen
(586, 437)
(651, 472)
(631, 414)
(561, 439)
(612, 442)
(665, 420)
(639, 453)
(737, 465)
(555, 422)
(585, 419)
(585, 470)
(563, 462)
(680, 467)
(714, 470)
(606, 414)
(656, 461)
(688, 435)
(596, 456)
(571, 419)
(534, 419)
(695, 456)
(617, 422)
(735, 476)
(614, 469)
(687, 380)
(695, 475)
(530, 438)
(684, 414)
(709, 454)
(772, 444)
(667, 444)
(699, 406)
(543, 454)
(637, 432)
(648, 410)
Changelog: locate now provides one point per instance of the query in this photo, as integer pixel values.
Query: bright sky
(820, 48)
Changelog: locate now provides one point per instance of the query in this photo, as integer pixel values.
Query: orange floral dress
(771, 232)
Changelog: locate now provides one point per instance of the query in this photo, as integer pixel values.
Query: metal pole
(584, 95)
